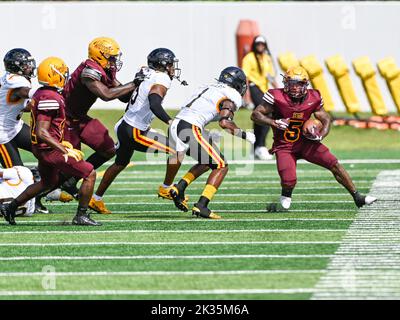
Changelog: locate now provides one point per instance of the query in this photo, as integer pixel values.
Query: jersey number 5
(293, 131)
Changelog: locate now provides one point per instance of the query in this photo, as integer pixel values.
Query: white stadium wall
(203, 34)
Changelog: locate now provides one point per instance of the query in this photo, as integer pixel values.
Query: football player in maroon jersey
(94, 78)
(54, 154)
(290, 107)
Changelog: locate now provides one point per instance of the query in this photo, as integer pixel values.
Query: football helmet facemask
(20, 61)
(295, 82)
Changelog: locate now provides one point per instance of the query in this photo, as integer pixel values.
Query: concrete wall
(203, 34)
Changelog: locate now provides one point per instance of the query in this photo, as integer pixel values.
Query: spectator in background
(259, 69)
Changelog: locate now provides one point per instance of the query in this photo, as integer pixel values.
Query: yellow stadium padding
(391, 73)
(287, 60)
(339, 70)
(318, 81)
(365, 70)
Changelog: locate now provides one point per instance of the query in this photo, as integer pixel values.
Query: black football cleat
(84, 220)
(179, 199)
(8, 213)
(361, 200)
(204, 212)
(39, 207)
(70, 187)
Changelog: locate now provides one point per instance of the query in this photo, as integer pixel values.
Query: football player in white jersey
(13, 181)
(219, 101)
(15, 92)
(133, 130)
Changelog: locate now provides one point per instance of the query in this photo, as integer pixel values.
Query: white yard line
(249, 181)
(170, 257)
(190, 220)
(154, 292)
(72, 232)
(379, 227)
(214, 202)
(176, 243)
(161, 273)
(242, 195)
(257, 162)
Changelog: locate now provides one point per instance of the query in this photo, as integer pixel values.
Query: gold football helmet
(296, 81)
(53, 72)
(106, 52)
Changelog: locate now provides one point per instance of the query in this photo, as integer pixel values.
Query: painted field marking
(170, 231)
(191, 220)
(214, 202)
(257, 162)
(154, 292)
(177, 243)
(170, 257)
(162, 273)
(379, 226)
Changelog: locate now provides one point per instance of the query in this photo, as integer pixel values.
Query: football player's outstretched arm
(226, 122)
(156, 95)
(105, 93)
(325, 119)
(260, 114)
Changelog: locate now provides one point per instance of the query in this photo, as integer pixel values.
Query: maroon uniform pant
(311, 151)
(52, 163)
(89, 131)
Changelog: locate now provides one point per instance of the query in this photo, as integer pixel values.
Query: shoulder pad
(88, 72)
(16, 81)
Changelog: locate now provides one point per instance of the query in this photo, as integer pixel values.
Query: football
(312, 128)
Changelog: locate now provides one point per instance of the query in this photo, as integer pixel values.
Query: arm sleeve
(157, 109)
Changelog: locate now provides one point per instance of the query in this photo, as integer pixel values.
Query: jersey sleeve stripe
(268, 99)
(48, 108)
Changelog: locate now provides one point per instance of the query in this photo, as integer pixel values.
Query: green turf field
(148, 250)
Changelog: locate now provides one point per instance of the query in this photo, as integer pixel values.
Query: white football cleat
(261, 153)
(285, 202)
(370, 200)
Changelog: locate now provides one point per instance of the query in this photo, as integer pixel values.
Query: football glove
(281, 124)
(250, 137)
(140, 76)
(71, 152)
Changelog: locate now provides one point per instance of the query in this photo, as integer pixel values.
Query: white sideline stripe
(214, 202)
(192, 220)
(169, 257)
(171, 231)
(259, 162)
(154, 292)
(371, 243)
(162, 273)
(136, 243)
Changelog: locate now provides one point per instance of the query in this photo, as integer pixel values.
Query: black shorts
(131, 139)
(9, 154)
(199, 145)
